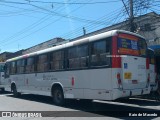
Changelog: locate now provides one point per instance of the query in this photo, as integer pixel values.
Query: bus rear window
(131, 45)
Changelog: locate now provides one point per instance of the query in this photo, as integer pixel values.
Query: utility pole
(132, 28)
(84, 31)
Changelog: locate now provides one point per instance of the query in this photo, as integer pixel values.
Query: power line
(125, 7)
(23, 31)
(91, 26)
(24, 9)
(36, 30)
(31, 1)
(66, 16)
(56, 13)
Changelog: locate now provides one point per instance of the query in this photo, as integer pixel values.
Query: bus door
(1, 77)
(2, 74)
(133, 64)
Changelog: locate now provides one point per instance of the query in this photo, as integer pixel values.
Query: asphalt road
(29, 105)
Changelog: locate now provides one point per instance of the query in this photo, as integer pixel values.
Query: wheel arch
(12, 85)
(56, 84)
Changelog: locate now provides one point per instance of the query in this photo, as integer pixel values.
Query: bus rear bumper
(117, 93)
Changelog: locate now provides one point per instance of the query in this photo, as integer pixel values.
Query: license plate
(134, 82)
(127, 75)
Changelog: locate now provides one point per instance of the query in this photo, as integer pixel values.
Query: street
(76, 108)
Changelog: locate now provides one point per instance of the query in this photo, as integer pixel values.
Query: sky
(25, 23)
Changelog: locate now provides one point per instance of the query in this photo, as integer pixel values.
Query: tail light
(119, 81)
(72, 82)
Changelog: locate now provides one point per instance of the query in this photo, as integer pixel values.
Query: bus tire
(86, 101)
(14, 90)
(2, 90)
(58, 96)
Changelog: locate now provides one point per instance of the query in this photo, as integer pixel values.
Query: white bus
(152, 70)
(106, 66)
(2, 76)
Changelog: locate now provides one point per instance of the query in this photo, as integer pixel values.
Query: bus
(152, 70)
(105, 66)
(2, 76)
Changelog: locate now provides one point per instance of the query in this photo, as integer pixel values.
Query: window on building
(20, 66)
(30, 65)
(42, 63)
(78, 57)
(57, 60)
(99, 52)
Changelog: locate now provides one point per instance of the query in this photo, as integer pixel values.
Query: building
(4, 56)
(147, 25)
(50, 43)
(44, 45)
(7, 55)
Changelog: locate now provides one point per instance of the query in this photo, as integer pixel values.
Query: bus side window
(30, 65)
(13, 67)
(20, 66)
(57, 60)
(78, 57)
(42, 63)
(83, 55)
(72, 54)
(99, 52)
(142, 47)
(7, 70)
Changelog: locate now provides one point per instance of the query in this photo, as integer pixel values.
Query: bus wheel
(58, 96)
(86, 100)
(15, 93)
(2, 90)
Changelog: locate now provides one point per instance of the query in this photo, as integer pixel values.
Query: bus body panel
(134, 72)
(152, 72)
(85, 83)
(100, 86)
(118, 92)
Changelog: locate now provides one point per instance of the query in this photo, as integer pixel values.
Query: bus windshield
(1, 68)
(131, 45)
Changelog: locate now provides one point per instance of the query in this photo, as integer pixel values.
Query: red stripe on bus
(147, 63)
(116, 61)
(127, 36)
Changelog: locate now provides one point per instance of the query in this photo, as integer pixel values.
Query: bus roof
(76, 42)
(150, 49)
